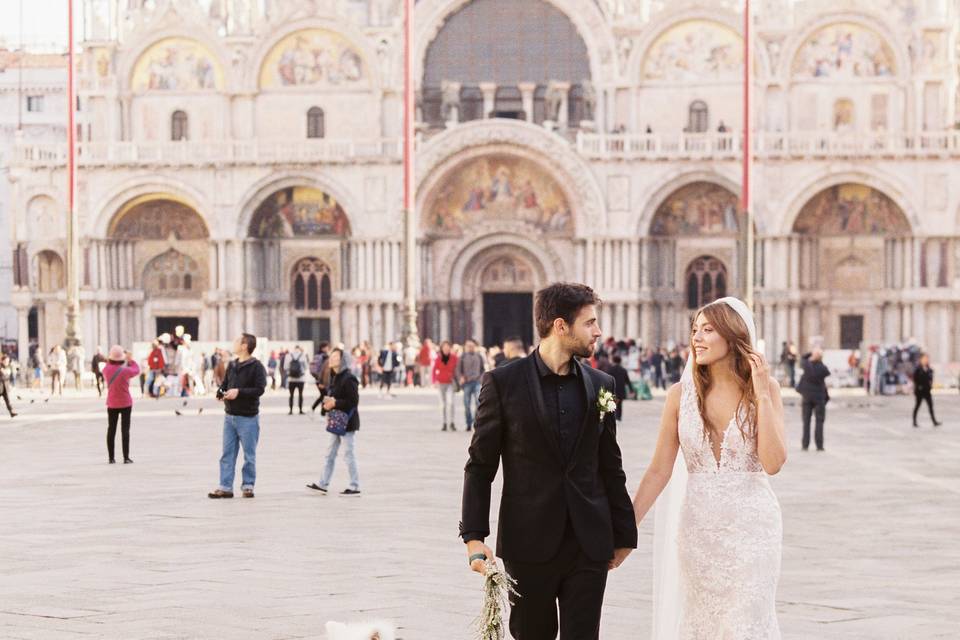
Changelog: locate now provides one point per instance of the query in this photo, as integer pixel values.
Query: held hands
(619, 555)
(475, 547)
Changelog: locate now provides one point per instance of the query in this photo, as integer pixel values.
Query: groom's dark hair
(561, 300)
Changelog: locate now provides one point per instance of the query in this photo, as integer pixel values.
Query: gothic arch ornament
(431, 15)
(669, 19)
(172, 274)
(552, 152)
(465, 264)
(266, 187)
(652, 201)
(344, 29)
(885, 185)
(799, 37)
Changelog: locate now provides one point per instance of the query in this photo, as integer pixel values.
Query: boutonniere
(606, 402)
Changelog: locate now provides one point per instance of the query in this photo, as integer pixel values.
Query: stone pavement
(138, 551)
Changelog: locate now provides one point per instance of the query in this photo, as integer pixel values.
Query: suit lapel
(591, 395)
(540, 409)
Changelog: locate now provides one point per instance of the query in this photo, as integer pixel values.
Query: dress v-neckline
(723, 440)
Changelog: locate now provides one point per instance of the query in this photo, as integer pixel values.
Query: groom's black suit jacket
(543, 489)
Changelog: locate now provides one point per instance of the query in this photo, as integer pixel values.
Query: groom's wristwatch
(476, 556)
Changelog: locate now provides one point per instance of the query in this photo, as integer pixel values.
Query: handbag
(337, 421)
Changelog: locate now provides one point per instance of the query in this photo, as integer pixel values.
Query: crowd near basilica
(239, 169)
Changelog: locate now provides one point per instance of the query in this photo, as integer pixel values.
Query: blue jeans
(239, 431)
(349, 440)
(471, 397)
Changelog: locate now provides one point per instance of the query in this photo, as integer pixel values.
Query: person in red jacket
(444, 368)
(121, 367)
(156, 362)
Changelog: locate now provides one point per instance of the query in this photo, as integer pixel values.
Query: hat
(117, 353)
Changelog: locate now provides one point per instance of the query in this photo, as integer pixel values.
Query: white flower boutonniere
(606, 402)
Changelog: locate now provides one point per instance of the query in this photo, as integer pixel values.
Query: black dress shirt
(565, 401)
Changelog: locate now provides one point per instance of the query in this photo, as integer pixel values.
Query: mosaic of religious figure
(299, 212)
(313, 57)
(177, 64)
(844, 51)
(695, 50)
(158, 219)
(851, 209)
(499, 187)
(699, 208)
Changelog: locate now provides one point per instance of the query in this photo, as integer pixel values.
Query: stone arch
(431, 15)
(800, 37)
(862, 210)
(146, 185)
(337, 28)
(43, 217)
(49, 271)
(475, 139)
(157, 217)
(257, 194)
(661, 25)
(656, 199)
(806, 192)
(477, 253)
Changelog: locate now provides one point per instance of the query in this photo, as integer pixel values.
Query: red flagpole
(745, 194)
(72, 332)
(409, 215)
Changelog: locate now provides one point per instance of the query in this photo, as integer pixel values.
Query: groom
(565, 516)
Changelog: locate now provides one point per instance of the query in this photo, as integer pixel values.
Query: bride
(718, 527)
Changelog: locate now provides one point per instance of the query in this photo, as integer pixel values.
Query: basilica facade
(240, 169)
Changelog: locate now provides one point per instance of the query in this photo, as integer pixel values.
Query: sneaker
(316, 487)
(350, 493)
(248, 493)
(127, 461)
(220, 494)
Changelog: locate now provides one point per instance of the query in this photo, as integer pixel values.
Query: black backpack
(296, 367)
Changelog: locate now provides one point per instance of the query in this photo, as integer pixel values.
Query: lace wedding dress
(730, 535)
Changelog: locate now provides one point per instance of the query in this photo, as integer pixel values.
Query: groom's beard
(583, 350)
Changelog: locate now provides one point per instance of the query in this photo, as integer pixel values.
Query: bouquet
(498, 586)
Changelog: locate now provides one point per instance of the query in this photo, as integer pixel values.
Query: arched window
(315, 123)
(699, 118)
(50, 272)
(311, 286)
(178, 126)
(706, 281)
(171, 274)
(326, 293)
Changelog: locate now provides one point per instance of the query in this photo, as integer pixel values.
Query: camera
(219, 393)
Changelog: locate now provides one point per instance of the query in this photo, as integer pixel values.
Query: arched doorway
(297, 237)
(49, 282)
(855, 248)
(158, 245)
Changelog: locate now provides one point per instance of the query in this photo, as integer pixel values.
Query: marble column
(526, 91)
(633, 320)
(489, 90)
(23, 335)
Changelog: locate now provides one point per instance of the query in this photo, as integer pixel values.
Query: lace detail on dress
(730, 536)
(737, 453)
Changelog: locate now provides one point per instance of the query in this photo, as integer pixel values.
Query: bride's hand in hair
(759, 374)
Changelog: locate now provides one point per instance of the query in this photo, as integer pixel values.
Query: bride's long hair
(733, 329)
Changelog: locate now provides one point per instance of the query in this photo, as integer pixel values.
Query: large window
(179, 126)
(315, 123)
(312, 290)
(706, 281)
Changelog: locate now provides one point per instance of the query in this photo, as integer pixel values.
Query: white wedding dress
(729, 536)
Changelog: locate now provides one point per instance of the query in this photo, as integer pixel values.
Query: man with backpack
(296, 366)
